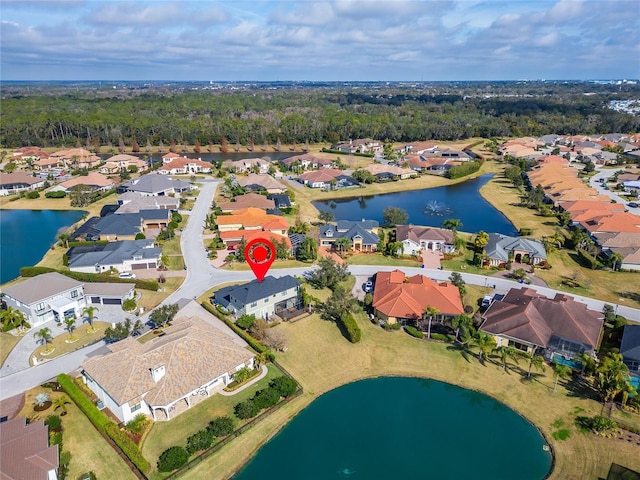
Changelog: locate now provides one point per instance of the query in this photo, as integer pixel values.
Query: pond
(429, 206)
(26, 235)
(403, 428)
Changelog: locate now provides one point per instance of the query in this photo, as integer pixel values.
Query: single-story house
(280, 201)
(502, 249)
(234, 237)
(381, 171)
(630, 348)
(306, 161)
(255, 165)
(254, 200)
(398, 299)
(168, 374)
(25, 453)
(533, 323)
(419, 148)
(124, 256)
(265, 181)
(359, 145)
(185, 166)
(154, 184)
(133, 202)
(252, 219)
(416, 238)
(76, 158)
(122, 161)
(94, 180)
(262, 299)
(28, 154)
(362, 235)
(320, 178)
(53, 296)
(16, 182)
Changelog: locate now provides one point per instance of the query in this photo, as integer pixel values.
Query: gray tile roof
(37, 288)
(254, 290)
(344, 225)
(500, 245)
(119, 290)
(630, 346)
(154, 183)
(114, 253)
(125, 224)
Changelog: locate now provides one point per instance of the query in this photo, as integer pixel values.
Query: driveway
(594, 181)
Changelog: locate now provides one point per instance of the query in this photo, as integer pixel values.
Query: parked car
(486, 301)
(368, 286)
(127, 275)
(632, 204)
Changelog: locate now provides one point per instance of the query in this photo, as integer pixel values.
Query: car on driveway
(632, 205)
(368, 286)
(127, 275)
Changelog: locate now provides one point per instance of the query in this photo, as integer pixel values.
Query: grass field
(89, 451)
(321, 359)
(7, 342)
(151, 299)
(81, 337)
(175, 432)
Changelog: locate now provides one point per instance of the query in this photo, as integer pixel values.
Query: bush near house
(413, 331)
(285, 386)
(172, 458)
(57, 194)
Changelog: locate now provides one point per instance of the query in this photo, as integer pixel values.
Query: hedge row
(355, 154)
(442, 337)
(103, 423)
(88, 244)
(463, 170)
(90, 277)
(350, 328)
(413, 331)
(256, 345)
(588, 260)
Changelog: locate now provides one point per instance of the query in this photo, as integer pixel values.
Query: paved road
(201, 276)
(608, 173)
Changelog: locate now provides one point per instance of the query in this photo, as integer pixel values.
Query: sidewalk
(263, 374)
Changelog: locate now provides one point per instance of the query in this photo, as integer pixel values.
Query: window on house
(40, 307)
(518, 345)
(254, 304)
(266, 300)
(135, 407)
(74, 294)
(283, 294)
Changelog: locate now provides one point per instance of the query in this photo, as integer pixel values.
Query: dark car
(632, 204)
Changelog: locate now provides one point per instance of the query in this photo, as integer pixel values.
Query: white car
(368, 287)
(127, 275)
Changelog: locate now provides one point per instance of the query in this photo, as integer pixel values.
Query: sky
(340, 40)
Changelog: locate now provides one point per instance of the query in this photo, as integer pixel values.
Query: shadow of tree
(466, 354)
(633, 296)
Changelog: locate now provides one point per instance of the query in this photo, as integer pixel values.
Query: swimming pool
(574, 364)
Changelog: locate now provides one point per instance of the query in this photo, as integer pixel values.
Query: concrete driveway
(594, 182)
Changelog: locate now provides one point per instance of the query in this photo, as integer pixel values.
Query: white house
(123, 256)
(168, 374)
(415, 239)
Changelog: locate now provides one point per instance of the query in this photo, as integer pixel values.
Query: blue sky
(326, 40)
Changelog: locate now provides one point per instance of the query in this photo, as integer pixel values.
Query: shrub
(140, 236)
(90, 277)
(57, 194)
(221, 426)
(33, 195)
(246, 321)
(413, 331)
(137, 424)
(349, 326)
(129, 304)
(602, 424)
(172, 458)
(246, 409)
(41, 399)
(442, 337)
(56, 439)
(199, 441)
(128, 447)
(266, 398)
(54, 422)
(285, 386)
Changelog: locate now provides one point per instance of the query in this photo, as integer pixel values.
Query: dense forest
(264, 114)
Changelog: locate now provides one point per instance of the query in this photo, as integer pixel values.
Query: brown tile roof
(263, 179)
(397, 296)
(25, 453)
(584, 205)
(418, 233)
(525, 315)
(18, 177)
(324, 175)
(182, 162)
(94, 179)
(553, 159)
(81, 153)
(248, 200)
(41, 286)
(248, 235)
(192, 351)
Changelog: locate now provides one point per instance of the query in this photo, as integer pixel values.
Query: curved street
(201, 276)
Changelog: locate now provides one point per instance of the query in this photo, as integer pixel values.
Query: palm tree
(61, 403)
(486, 343)
(64, 239)
(452, 224)
(70, 325)
(459, 242)
(12, 317)
(90, 312)
(462, 323)
(559, 371)
(616, 260)
(506, 353)
(44, 334)
(164, 261)
(612, 376)
(537, 362)
(342, 244)
(431, 313)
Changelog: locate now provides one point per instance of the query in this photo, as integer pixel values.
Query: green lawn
(81, 337)
(7, 342)
(176, 431)
(379, 259)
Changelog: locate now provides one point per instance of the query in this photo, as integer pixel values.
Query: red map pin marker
(260, 254)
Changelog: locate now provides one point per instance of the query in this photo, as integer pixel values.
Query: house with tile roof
(232, 238)
(362, 235)
(306, 161)
(122, 161)
(53, 296)
(246, 165)
(76, 158)
(47, 163)
(389, 172)
(123, 256)
(320, 178)
(272, 296)
(535, 324)
(252, 219)
(415, 239)
(28, 154)
(185, 166)
(398, 299)
(265, 181)
(16, 182)
(359, 145)
(418, 148)
(502, 249)
(25, 453)
(630, 348)
(168, 374)
(254, 200)
(133, 202)
(154, 184)
(94, 180)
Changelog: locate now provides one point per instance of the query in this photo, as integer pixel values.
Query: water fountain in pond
(436, 208)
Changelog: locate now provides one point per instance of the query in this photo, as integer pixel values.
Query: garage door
(138, 266)
(151, 265)
(112, 301)
(95, 299)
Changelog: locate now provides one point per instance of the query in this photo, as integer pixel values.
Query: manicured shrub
(128, 447)
(56, 439)
(442, 337)
(246, 321)
(246, 409)
(54, 422)
(129, 304)
(266, 398)
(199, 441)
(137, 424)
(285, 386)
(413, 331)
(172, 458)
(221, 426)
(90, 277)
(56, 194)
(33, 195)
(350, 328)
(600, 423)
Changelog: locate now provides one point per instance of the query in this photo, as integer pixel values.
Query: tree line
(308, 115)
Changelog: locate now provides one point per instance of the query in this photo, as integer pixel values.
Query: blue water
(575, 365)
(402, 428)
(430, 206)
(26, 235)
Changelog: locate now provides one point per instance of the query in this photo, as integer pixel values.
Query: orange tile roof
(613, 222)
(401, 297)
(93, 179)
(583, 205)
(248, 200)
(182, 162)
(250, 217)
(250, 235)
